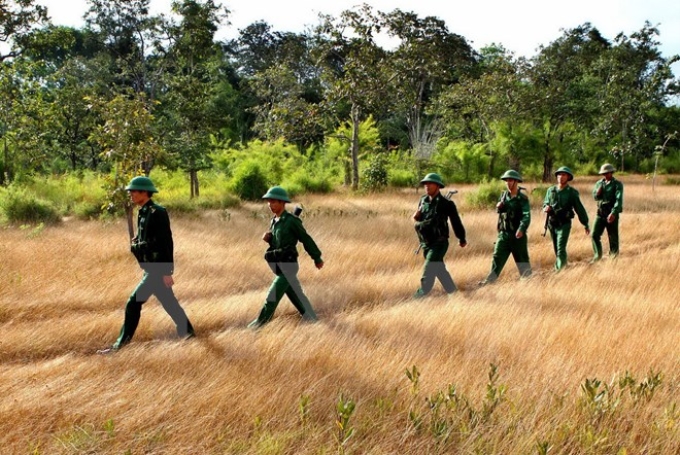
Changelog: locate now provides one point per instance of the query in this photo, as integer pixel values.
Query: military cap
(565, 170)
(606, 169)
(141, 183)
(511, 174)
(433, 178)
(278, 193)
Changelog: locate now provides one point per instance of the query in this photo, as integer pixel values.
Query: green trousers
(435, 268)
(599, 226)
(152, 284)
(285, 283)
(560, 238)
(507, 244)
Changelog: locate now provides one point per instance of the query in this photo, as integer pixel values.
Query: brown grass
(232, 390)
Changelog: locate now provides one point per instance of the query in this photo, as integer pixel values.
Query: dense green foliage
(131, 92)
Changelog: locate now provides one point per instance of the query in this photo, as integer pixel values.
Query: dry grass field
(580, 362)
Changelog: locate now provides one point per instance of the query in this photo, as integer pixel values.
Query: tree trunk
(128, 217)
(355, 147)
(193, 177)
(547, 164)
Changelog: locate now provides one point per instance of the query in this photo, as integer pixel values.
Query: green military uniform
(514, 214)
(153, 248)
(564, 203)
(433, 233)
(609, 197)
(282, 258)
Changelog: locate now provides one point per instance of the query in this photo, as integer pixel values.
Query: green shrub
(374, 178)
(486, 196)
(403, 178)
(20, 207)
(249, 181)
(304, 182)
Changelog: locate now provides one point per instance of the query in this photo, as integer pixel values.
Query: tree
(128, 33)
(17, 19)
(427, 59)
(488, 104)
(127, 141)
(560, 88)
(190, 97)
(353, 68)
(636, 82)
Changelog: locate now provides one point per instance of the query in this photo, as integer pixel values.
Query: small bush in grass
(375, 176)
(304, 182)
(21, 207)
(486, 196)
(249, 181)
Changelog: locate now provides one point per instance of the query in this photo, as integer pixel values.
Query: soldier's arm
(547, 199)
(163, 247)
(618, 199)
(526, 214)
(307, 242)
(456, 223)
(597, 190)
(578, 207)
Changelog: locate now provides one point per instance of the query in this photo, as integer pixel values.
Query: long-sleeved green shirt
(288, 230)
(566, 199)
(153, 231)
(516, 211)
(609, 195)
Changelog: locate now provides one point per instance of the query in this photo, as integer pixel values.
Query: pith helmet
(278, 193)
(511, 174)
(141, 183)
(433, 178)
(606, 169)
(565, 170)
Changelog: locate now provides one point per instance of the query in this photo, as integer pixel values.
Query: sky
(521, 26)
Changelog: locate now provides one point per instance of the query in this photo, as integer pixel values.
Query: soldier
(153, 249)
(561, 200)
(433, 232)
(282, 257)
(608, 193)
(514, 217)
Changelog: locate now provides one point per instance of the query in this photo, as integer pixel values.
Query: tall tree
(636, 81)
(128, 33)
(192, 82)
(427, 59)
(17, 19)
(353, 71)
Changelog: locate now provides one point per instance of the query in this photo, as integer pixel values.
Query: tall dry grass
(276, 391)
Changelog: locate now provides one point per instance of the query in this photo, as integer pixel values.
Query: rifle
(547, 221)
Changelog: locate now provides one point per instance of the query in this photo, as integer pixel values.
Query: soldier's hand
(547, 209)
(519, 234)
(462, 244)
(168, 280)
(611, 218)
(587, 230)
(418, 215)
(319, 265)
(267, 237)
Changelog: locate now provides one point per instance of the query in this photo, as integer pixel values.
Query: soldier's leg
(133, 311)
(276, 291)
(596, 236)
(501, 253)
(613, 233)
(427, 278)
(295, 292)
(520, 253)
(439, 266)
(171, 306)
(562, 240)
